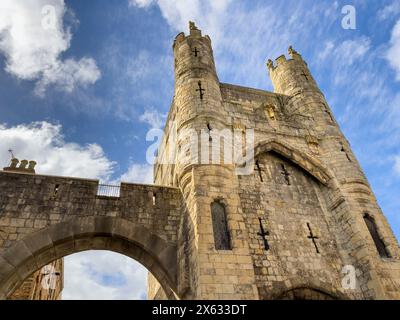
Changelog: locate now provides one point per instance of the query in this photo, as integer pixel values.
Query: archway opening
(89, 233)
(103, 275)
(87, 275)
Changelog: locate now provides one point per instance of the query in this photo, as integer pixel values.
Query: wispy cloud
(390, 10)
(138, 173)
(136, 78)
(153, 118)
(140, 3)
(393, 54)
(397, 164)
(343, 55)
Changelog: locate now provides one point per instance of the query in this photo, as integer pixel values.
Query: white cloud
(69, 74)
(44, 143)
(153, 118)
(389, 11)
(139, 173)
(393, 54)
(140, 3)
(32, 39)
(103, 275)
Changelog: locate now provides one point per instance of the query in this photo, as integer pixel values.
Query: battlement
(194, 33)
(291, 75)
(282, 60)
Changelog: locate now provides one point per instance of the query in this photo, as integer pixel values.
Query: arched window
(222, 239)
(379, 244)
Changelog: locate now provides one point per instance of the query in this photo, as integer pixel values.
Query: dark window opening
(379, 244)
(285, 174)
(209, 131)
(258, 168)
(220, 227)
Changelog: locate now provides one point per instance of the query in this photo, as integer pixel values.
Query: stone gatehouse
(299, 225)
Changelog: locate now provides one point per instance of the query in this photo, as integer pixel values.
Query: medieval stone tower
(257, 195)
(300, 220)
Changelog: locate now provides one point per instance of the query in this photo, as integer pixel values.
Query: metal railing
(107, 190)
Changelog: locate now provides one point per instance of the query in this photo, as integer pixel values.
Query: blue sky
(80, 97)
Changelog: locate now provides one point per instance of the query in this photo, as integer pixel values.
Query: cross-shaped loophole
(200, 90)
(195, 51)
(312, 237)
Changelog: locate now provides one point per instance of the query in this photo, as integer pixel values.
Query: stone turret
(291, 76)
(196, 81)
(25, 166)
(199, 116)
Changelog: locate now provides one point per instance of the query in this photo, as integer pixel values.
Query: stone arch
(306, 293)
(310, 290)
(88, 233)
(300, 159)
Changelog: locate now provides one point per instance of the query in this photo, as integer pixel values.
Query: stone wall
(328, 194)
(54, 216)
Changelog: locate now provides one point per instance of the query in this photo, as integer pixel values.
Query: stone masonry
(44, 218)
(300, 223)
(307, 191)
(45, 284)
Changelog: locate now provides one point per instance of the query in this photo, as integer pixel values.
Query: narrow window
(344, 150)
(220, 227)
(379, 244)
(56, 188)
(154, 198)
(285, 174)
(258, 168)
(209, 131)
